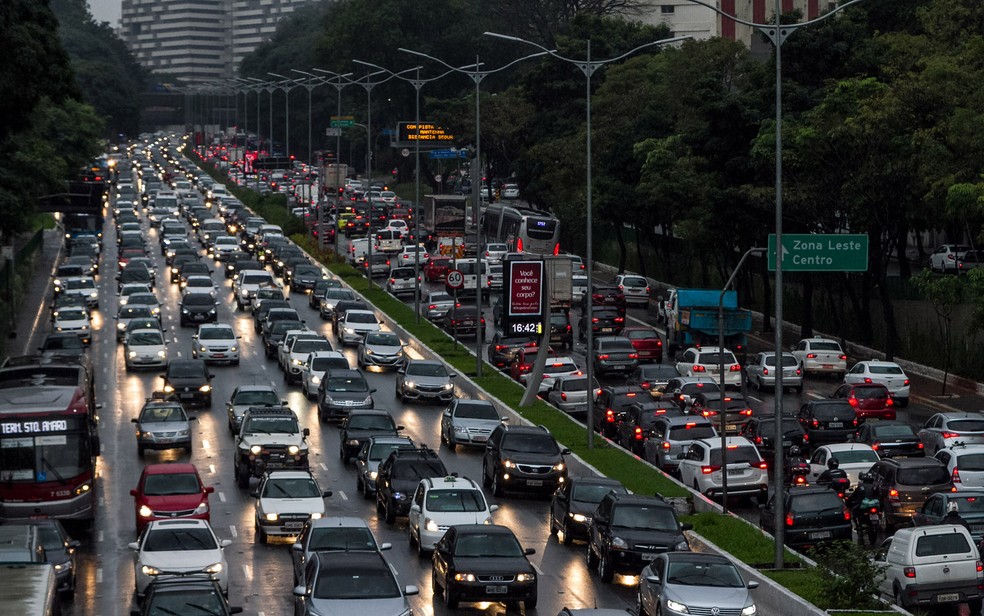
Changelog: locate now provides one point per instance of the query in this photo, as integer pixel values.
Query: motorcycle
(839, 483)
(796, 474)
(867, 519)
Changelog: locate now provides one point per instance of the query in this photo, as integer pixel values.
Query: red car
(437, 269)
(870, 400)
(168, 491)
(647, 343)
(523, 363)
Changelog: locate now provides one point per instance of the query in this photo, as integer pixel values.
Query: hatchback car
(614, 354)
(702, 468)
(635, 288)
(573, 504)
(435, 305)
(199, 284)
(340, 392)
(870, 400)
(671, 436)
(569, 393)
(886, 373)
(706, 361)
(438, 503)
(483, 562)
(197, 308)
(381, 350)
(821, 356)
(359, 427)
(216, 343)
(647, 343)
(355, 325)
(636, 421)
(965, 464)
(360, 582)
(852, 458)
(144, 348)
(693, 583)
(891, 439)
(188, 380)
(461, 322)
(814, 515)
(946, 429)
(523, 458)
(285, 501)
(169, 548)
(828, 421)
(469, 422)
(761, 371)
(163, 425)
(424, 379)
(761, 430)
(168, 491)
(74, 320)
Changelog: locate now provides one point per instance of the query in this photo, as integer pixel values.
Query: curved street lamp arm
(554, 53)
(773, 25)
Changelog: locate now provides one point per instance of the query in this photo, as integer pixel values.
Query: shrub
(848, 576)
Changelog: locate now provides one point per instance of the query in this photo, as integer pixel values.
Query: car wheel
(566, 530)
(496, 486)
(140, 450)
(485, 475)
(343, 457)
(452, 444)
(410, 538)
(605, 569)
(591, 559)
(899, 601)
(242, 477)
(188, 448)
(530, 603)
(450, 600)
(903, 402)
(389, 516)
(435, 587)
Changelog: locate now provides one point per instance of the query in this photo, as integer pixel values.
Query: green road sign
(342, 121)
(807, 252)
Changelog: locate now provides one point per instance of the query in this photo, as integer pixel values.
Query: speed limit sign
(455, 279)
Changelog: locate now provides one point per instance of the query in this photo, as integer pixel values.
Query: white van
(470, 269)
(931, 565)
(389, 241)
(358, 250)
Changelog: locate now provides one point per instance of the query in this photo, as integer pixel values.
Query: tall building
(199, 40)
(686, 18)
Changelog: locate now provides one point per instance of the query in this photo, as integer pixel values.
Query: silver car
(423, 379)
(338, 582)
(372, 454)
(569, 393)
(435, 305)
(382, 349)
(163, 425)
(761, 371)
(469, 422)
(693, 583)
(332, 297)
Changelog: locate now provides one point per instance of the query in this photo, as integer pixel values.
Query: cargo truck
(691, 317)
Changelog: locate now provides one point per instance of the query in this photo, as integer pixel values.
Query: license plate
(219, 355)
(828, 366)
(732, 472)
(534, 482)
(948, 597)
(787, 443)
(835, 424)
(496, 590)
(874, 517)
(821, 535)
(38, 516)
(729, 427)
(648, 556)
(619, 367)
(293, 525)
(480, 439)
(607, 330)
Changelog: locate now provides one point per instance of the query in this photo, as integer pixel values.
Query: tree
(944, 293)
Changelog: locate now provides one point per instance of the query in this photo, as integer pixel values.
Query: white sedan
(214, 343)
(199, 284)
(178, 547)
(887, 373)
(852, 458)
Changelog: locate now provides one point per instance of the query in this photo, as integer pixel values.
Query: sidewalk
(31, 314)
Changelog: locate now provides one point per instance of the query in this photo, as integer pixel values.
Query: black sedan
(604, 322)
(891, 439)
(198, 308)
(189, 381)
(483, 562)
(575, 502)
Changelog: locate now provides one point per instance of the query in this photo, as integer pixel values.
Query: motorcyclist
(953, 516)
(793, 460)
(833, 472)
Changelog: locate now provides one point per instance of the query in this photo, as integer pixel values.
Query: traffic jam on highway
(214, 423)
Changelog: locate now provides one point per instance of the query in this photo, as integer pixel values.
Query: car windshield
(167, 484)
(347, 384)
(147, 299)
(169, 539)
(868, 392)
(256, 398)
(383, 339)
(381, 451)
(419, 469)
(645, 517)
(720, 575)
(216, 333)
(530, 443)
(71, 314)
(310, 346)
(51, 539)
(186, 370)
(737, 455)
(145, 337)
(271, 424)
(475, 410)
(290, 488)
(787, 360)
(257, 279)
(855, 456)
(360, 317)
(877, 369)
(455, 500)
(55, 343)
(843, 411)
(593, 493)
(889, 431)
(481, 545)
(199, 282)
(965, 425)
(339, 294)
(356, 584)
(370, 422)
(198, 299)
(356, 538)
(162, 413)
(716, 358)
(421, 369)
(923, 476)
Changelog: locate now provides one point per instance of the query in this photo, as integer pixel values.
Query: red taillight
(392, 280)
(765, 371)
(906, 382)
(433, 306)
(645, 385)
(875, 445)
(666, 445)
(638, 433)
(800, 480)
(621, 288)
(735, 368)
(889, 402)
(955, 476)
(790, 519)
(707, 470)
(594, 319)
(563, 396)
(847, 515)
(811, 355)
(893, 494)
(909, 572)
(603, 356)
(610, 416)
(619, 319)
(519, 245)
(844, 357)
(920, 446)
(633, 356)
(763, 465)
(758, 440)
(950, 434)
(867, 379)
(698, 368)
(980, 567)
(815, 423)
(568, 329)
(745, 412)
(852, 401)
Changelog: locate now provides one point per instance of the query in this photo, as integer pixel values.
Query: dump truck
(691, 317)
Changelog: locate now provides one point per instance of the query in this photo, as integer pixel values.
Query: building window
(667, 9)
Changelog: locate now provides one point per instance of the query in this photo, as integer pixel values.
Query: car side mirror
(326, 494)
(503, 419)
(283, 402)
(299, 591)
(415, 507)
(134, 420)
(385, 546)
(133, 545)
(306, 431)
(133, 492)
(226, 543)
(398, 428)
(453, 375)
(209, 489)
(373, 390)
(653, 579)
(493, 508)
(565, 452)
(254, 493)
(529, 551)
(752, 585)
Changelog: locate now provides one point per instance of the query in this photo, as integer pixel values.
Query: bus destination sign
(33, 427)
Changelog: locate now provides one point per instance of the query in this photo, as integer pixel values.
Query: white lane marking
(99, 536)
(342, 494)
(205, 444)
(246, 572)
(749, 397)
(222, 496)
(323, 467)
(233, 531)
(99, 575)
(814, 395)
(211, 468)
(180, 354)
(539, 571)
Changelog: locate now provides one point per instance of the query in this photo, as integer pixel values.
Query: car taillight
(946, 434)
(638, 433)
(594, 319)
(847, 515)
(893, 494)
(909, 572)
(568, 329)
(433, 306)
(875, 445)
(620, 319)
(852, 401)
(758, 440)
(698, 368)
(906, 382)
(811, 355)
(763, 465)
(392, 280)
(603, 356)
(735, 368)
(889, 401)
(790, 519)
(765, 371)
(621, 288)
(980, 567)
(867, 379)
(666, 445)
(844, 357)
(955, 476)
(707, 470)
(815, 423)
(563, 396)
(645, 385)
(633, 356)
(745, 412)
(920, 446)
(799, 372)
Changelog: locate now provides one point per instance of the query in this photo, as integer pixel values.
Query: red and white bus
(48, 442)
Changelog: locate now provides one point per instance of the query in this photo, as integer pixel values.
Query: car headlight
(409, 384)
(144, 511)
(580, 518)
(368, 400)
(448, 386)
(168, 389)
(618, 542)
(59, 328)
(94, 295)
(373, 475)
(255, 449)
(559, 466)
(316, 515)
(316, 380)
(750, 610)
(213, 568)
(151, 571)
(399, 496)
(121, 326)
(349, 331)
(202, 349)
(293, 449)
(234, 350)
(676, 606)
(683, 546)
(62, 566)
(354, 442)
(202, 508)
(131, 354)
(297, 362)
(464, 577)
(508, 464)
(525, 577)
(271, 517)
(430, 525)
(161, 354)
(460, 430)
(155, 311)
(205, 389)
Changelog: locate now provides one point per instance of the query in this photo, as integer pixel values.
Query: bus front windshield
(50, 457)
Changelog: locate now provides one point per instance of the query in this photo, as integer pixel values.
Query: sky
(106, 10)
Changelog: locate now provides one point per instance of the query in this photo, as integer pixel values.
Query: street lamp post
(310, 84)
(477, 75)
(777, 34)
(588, 67)
(339, 85)
(287, 85)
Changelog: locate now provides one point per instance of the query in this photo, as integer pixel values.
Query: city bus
(523, 229)
(48, 442)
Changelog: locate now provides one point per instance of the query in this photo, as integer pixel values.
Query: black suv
(612, 400)
(628, 530)
(398, 477)
(359, 426)
(523, 458)
(188, 381)
(561, 332)
(575, 502)
(814, 515)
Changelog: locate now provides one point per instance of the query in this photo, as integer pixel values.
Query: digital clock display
(523, 328)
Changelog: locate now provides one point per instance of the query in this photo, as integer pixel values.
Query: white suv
(701, 468)
(635, 288)
(285, 500)
(442, 502)
(931, 565)
(706, 361)
(965, 463)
